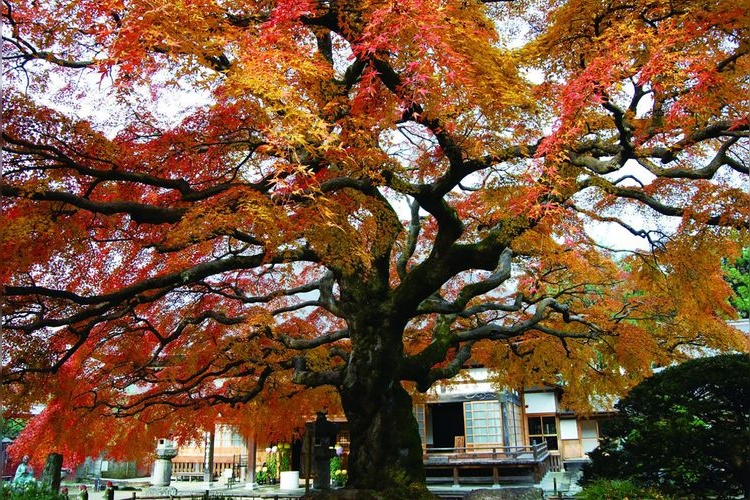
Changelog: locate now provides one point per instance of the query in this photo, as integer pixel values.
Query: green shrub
(616, 489)
(29, 491)
(685, 430)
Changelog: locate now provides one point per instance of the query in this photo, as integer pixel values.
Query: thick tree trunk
(386, 450)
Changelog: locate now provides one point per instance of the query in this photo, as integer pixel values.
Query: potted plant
(285, 457)
(338, 475)
(338, 478)
(261, 475)
(271, 468)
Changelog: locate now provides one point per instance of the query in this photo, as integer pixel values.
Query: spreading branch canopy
(216, 209)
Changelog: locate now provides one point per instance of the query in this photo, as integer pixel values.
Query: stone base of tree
(391, 494)
(506, 494)
(159, 491)
(424, 494)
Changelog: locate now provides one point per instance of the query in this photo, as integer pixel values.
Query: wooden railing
(555, 462)
(194, 470)
(521, 454)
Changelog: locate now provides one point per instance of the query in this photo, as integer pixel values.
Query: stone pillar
(165, 452)
(208, 456)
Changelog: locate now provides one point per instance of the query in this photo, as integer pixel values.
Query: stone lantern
(165, 452)
(323, 451)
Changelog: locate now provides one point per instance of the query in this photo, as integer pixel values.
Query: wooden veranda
(499, 464)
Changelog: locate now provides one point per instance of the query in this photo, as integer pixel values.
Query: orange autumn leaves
(160, 269)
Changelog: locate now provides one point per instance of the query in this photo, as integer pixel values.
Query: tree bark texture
(386, 449)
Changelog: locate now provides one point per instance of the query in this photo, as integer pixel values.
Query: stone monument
(51, 474)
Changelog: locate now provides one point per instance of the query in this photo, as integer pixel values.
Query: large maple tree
(247, 211)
